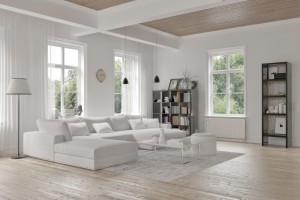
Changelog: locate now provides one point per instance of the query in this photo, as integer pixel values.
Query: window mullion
(228, 86)
(62, 102)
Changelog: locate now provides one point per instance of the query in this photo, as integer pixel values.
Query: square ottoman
(95, 154)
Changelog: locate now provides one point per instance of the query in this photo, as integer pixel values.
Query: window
(127, 97)
(64, 78)
(227, 82)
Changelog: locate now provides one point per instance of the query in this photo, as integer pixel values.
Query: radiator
(231, 128)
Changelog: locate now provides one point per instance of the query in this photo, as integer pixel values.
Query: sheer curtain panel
(23, 54)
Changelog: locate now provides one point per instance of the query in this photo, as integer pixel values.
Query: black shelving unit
(175, 107)
(276, 102)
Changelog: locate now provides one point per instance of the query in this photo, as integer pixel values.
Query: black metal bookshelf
(276, 102)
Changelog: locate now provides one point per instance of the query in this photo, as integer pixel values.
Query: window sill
(225, 116)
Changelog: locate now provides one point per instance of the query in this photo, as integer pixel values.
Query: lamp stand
(18, 156)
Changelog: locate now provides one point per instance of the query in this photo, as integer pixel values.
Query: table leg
(182, 156)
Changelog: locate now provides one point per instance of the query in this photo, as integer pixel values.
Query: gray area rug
(165, 164)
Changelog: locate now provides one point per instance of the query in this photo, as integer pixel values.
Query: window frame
(81, 47)
(227, 72)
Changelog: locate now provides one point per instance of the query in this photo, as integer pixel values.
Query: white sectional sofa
(76, 142)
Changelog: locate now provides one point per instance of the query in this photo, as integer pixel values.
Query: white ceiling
(113, 20)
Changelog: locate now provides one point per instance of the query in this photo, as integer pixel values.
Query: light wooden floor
(261, 173)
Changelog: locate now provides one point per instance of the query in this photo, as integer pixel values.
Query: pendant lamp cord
(156, 44)
(125, 50)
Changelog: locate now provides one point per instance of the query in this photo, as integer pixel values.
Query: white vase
(185, 84)
(162, 139)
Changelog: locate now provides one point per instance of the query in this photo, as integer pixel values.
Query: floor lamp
(18, 86)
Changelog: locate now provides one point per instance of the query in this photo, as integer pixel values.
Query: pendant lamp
(125, 80)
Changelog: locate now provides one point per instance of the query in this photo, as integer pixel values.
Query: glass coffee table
(182, 144)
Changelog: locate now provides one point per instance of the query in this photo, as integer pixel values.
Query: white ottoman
(205, 143)
(95, 154)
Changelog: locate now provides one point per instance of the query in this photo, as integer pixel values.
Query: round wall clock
(100, 75)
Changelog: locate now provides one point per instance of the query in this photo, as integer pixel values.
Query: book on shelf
(184, 121)
(176, 98)
(166, 119)
(185, 110)
(175, 120)
(175, 109)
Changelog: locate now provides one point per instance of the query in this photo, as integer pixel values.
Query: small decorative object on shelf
(276, 99)
(173, 84)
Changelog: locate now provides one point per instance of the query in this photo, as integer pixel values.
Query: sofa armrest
(40, 145)
(167, 126)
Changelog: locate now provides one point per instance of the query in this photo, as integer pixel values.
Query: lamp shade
(18, 86)
(125, 81)
(156, 79)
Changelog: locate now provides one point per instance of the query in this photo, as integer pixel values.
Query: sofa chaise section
(95, 154)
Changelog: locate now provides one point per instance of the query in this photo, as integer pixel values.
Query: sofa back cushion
(119, 123)
(102, 128)
(93, 120)
(134, 116)
(78, 129)
(54, 127)
(151, 123)
(136, 124)
(71, 120)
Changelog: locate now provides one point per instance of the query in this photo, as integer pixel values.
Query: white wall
(100, 55)
(264, 43)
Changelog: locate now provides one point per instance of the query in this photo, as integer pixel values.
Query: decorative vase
(185, 84)
(162, 139)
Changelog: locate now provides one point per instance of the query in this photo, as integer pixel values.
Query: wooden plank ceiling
(230, 16)
(99, 4)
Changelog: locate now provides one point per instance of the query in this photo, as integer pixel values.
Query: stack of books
(166, 99)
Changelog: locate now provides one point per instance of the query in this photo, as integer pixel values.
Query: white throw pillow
(93, 120)
(102, 128)
(119, 123)
(54, 127)
(136, 124)
(78, 129)
(150, 123)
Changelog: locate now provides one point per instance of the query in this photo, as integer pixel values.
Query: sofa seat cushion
(95, 149)
(147, 134)
(121, 135)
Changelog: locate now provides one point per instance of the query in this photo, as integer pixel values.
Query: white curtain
(131, 93)
(23, 53)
